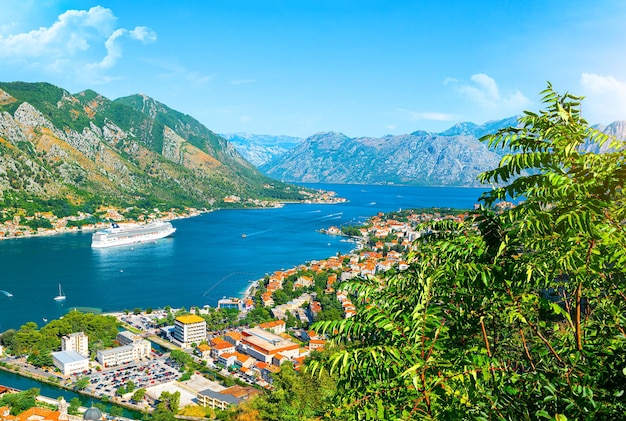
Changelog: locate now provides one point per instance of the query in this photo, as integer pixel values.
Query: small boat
(243, 235)
(61, 296)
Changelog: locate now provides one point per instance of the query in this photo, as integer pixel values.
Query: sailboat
(61, 296)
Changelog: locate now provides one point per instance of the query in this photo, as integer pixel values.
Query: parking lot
(142, 374)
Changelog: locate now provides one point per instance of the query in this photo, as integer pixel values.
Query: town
(211, 358)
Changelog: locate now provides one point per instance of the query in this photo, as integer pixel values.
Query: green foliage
(102, 331)
(37, 223)
(73, 407)
(181, 357)
(82, 383)
(21, 401)
(295, 396)
(507, 315)
(351, 230)
(171, 401)
(139, 394)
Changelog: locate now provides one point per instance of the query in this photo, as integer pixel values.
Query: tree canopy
(508, 314)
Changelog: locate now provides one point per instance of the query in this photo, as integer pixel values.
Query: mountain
(616, 129)
(451, 158)
(260, 148)
(87, 150)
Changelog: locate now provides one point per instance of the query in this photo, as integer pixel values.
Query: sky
(298, 67)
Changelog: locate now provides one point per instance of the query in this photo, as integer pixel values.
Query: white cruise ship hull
(132, 234)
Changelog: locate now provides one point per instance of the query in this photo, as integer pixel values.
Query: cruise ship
(118, 235)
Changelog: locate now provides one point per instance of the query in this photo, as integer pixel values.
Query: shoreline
(49, 232)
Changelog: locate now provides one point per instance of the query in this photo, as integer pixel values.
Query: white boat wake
(7, 293)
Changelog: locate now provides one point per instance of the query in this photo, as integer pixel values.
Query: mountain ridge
(453, 157)
(450, 158)
(129, 152)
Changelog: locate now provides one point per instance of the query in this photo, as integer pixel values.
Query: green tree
(139, 394)
(295, 396)
(515, 314)
(73, 406)
(163, 413)
(130, 386)
(116, 411)
(181, 357)
(171, 401)
(21, 401)
(82, 383)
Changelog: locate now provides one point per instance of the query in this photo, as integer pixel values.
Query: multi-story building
(190, 329)
(115, 356)
(141, 347)
(77, 341)
(263, 345)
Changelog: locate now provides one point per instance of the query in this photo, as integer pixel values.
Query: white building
(190, 329)
(141, 347)
(70, 362)
(115, 356)
(77, 341)
(231, 303)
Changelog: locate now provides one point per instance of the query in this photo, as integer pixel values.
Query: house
(219, 347)
(233, 337)
(223, 399)
(276, 327)
(227, 359)
(263, 345)
(204, 350)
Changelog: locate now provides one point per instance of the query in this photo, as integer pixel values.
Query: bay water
(211, 256)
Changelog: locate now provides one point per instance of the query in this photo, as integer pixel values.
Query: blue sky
(297, 67)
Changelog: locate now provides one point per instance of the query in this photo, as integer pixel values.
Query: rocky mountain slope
(88, 150)
(259, 149)
(450, 158)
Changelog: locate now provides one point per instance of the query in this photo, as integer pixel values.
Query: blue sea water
(207, 259)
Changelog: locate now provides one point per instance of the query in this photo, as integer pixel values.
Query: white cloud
(605, 98)
(143, 34)
(484, 91)
(81, 43)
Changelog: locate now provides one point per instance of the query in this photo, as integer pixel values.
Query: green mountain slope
(88, 150)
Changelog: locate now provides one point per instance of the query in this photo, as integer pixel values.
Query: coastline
(49, 232)
(25, 232)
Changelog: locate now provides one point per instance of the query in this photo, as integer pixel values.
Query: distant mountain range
(453, 157)
(261, 148)
(134, 151)
(450, 158)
